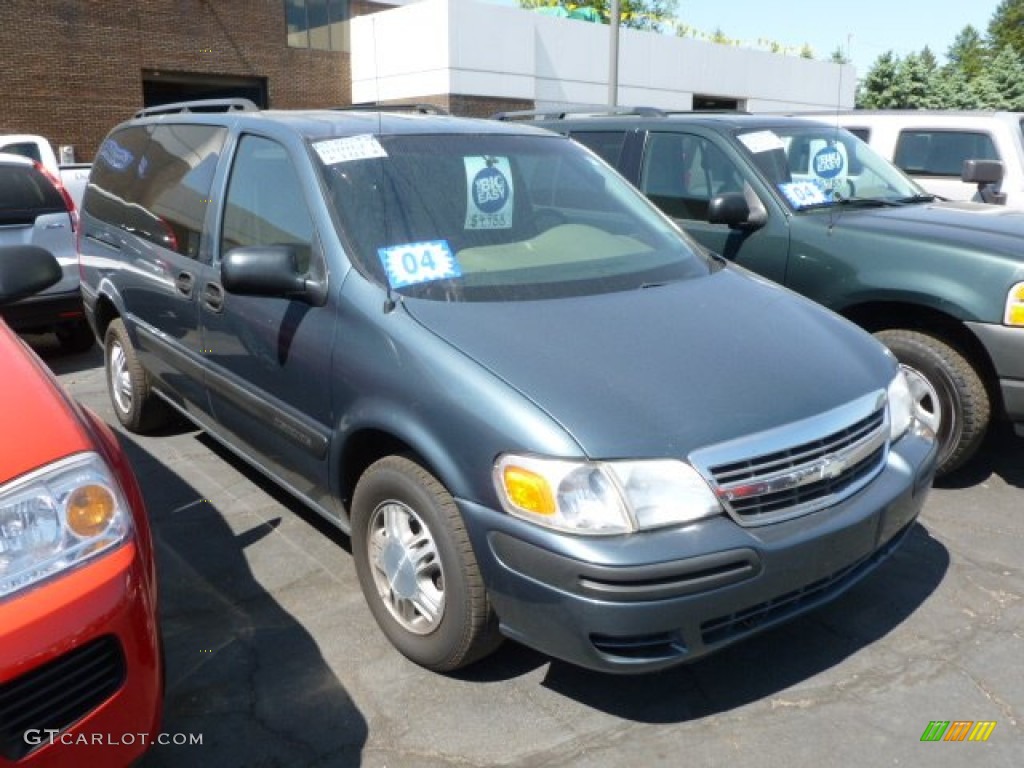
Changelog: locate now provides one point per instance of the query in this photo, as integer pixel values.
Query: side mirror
(269, 270)
(987, 174)
(734, 210)
(26, 270)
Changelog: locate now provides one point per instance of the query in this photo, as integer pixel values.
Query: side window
(682, 172)
(864, 134)
(265, 204)
(605, 144)
(154, 181)
(941, 153)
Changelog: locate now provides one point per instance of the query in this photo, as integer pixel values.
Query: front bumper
(80, 661)
(1005, 347)
(651, 600)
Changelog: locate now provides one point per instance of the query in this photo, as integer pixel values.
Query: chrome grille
(759, 482)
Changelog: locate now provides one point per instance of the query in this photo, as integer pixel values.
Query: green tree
(636, 14)
(1006, 28)
(954, 91)
(838, 56)
(1007, 75)
(877, 89)
(968, 53)
(914, 86)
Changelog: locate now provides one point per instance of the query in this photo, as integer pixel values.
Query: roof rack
(419, 108)
(558, 114)
(200, 105)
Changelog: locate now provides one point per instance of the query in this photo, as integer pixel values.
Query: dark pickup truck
(810, 206)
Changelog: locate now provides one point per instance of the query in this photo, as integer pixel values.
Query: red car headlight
(58, 517)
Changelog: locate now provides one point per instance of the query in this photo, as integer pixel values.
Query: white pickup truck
(72, 175)
(931, 146)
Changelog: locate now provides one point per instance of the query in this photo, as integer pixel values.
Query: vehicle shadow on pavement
(60, 362)
(241, 671)
(1002, 454)
(767, 665)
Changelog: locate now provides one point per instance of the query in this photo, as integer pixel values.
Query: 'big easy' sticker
(828, 163)
(490, 195)
(415, 263)
(362, 147)
(803, 194)
(761, 141)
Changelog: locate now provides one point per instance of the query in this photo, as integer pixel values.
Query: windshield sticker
(828, 165)
(363, 147)
(802, 194)
(761, 141)
(415, 263)
(490, 195)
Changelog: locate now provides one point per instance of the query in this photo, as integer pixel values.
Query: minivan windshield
(821, 166)
(497, 217)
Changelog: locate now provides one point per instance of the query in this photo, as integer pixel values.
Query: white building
(477, 58)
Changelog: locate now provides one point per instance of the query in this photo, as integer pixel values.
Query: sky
(869, 27)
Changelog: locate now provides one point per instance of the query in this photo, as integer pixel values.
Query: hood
(662, 371)
(974, 226)
(36, 421)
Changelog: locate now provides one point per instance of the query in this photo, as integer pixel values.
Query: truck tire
(135, 406)
(417, 569)
(949, 394)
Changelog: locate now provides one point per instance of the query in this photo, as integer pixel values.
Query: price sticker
(803, 194)
(415, 263)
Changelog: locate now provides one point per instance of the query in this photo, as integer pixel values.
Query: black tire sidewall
(937, 362)
(132, 418)
(393, 478)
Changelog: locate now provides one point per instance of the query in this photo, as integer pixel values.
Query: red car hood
(37, 422)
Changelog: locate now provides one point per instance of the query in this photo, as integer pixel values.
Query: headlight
(606, 497)
(1014, 314)
(58, 517)
(901, 406)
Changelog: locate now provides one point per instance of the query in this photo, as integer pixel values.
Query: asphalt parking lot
(274, 659)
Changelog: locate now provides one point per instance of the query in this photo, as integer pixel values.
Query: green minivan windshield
(497, 217)
(815, 165)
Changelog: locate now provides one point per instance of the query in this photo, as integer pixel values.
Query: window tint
(26, 193)
(682, 172)
(864, 134)
(941, 153)
(265, 204)
(27, 149)
(607, 144)
(155, 181)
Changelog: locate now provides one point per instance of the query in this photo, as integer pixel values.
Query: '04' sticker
(414, 263)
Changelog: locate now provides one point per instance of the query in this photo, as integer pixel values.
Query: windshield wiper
(868, 202)
(924, 198)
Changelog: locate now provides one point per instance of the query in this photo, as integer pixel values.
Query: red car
(81, 673)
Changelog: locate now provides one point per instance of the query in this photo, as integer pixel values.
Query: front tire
(136, 407)
(417, 569)
(949, 394)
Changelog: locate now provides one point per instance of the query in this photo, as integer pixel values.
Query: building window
(319, 24)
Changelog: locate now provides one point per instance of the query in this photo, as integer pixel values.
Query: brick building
(72, 69)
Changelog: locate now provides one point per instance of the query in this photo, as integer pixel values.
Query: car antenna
(389, 300)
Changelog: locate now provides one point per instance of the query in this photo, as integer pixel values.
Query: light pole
(613, 54)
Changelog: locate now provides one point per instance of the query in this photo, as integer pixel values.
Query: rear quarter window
(26, 193)
(941, 153)
(154, 181)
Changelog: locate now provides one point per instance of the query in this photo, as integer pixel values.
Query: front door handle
(213, 297)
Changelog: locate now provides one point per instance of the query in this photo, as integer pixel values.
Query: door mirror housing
(270, 270)
(26, 270)
(734, 210)
(987, 174)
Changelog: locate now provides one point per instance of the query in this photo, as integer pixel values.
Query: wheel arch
(874, 316)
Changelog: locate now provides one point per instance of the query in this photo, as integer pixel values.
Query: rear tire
(136, 407)
(75, 337)
(949, 394)
(417, 569)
